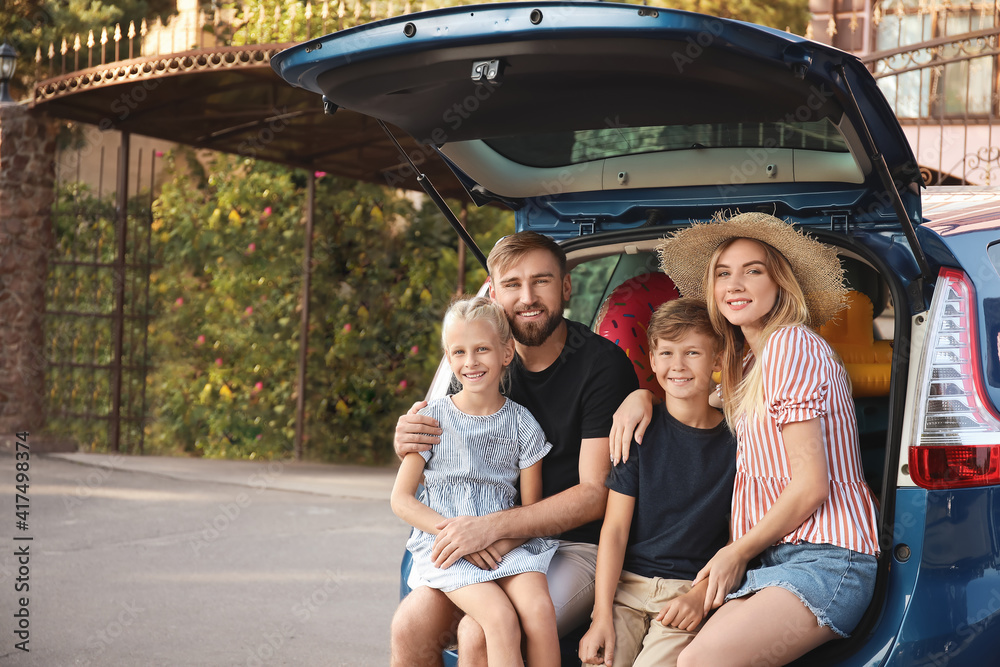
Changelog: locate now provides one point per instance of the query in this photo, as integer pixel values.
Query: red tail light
(957, 438)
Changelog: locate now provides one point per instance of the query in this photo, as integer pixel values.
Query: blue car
(607, 126)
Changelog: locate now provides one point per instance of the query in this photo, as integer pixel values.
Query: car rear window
(558, 149)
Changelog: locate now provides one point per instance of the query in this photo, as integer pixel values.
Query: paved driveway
(160, 561)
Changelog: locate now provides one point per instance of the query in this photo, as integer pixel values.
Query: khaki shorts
(640, 639)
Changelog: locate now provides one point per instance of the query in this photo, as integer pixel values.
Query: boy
(668, 506)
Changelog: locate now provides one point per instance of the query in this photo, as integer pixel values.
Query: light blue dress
(472, 472)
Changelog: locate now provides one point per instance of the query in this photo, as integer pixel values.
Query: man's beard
(533, 334)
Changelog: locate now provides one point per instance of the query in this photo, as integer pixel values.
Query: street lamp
(8, 63)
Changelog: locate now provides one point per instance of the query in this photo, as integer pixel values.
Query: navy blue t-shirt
(682, 480)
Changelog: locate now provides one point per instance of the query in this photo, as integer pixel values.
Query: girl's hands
(487, 559)
(598, 646)
(490, 557)
(683, 612)
(724, 573)
(630, 421)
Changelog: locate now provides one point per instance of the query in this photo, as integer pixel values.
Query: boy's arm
(598, 645)
(611, 551)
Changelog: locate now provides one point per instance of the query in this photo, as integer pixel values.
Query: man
(572, 381)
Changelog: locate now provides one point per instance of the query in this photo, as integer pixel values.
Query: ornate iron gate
(98, 303)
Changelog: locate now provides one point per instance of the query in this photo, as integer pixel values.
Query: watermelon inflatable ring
(624, 318)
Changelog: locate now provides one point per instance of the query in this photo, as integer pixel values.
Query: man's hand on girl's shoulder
(415, 432)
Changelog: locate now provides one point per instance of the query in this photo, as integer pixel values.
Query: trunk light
(956, 444)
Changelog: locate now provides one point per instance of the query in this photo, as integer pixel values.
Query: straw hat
(684, 256)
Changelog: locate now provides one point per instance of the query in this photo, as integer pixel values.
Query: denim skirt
(834, 583)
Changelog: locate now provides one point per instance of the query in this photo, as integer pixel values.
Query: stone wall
(27, 179)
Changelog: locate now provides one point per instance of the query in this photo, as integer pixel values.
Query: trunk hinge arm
(439, 201)
(878, 161)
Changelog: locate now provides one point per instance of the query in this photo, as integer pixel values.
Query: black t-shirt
(682, 481)
(573, 399)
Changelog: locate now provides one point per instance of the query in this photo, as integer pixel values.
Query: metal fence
(210, 26)
(98, 305)
(937, 65)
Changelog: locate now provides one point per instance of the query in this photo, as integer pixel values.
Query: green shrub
(225, 335)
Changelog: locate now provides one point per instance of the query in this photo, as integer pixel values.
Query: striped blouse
(803, 380)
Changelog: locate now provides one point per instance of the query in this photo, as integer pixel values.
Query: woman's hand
(724, 573)
(630, 421)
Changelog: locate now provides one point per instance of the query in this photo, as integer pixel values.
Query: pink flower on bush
(267, 212)
(218, 361)
(414, 350)
(201, 340)
(319, 174)
(179, 302)
(347, 327)
(259, 436)
(403, 384)
(159, 153)
(249, 310)
(251, 248)
(258, 387)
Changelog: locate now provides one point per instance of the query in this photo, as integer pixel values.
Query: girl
(800, 504)
(487, 440)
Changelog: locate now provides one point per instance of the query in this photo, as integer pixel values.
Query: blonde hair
(672, 320)
(744, 394)
(510, 249)
(479, 309)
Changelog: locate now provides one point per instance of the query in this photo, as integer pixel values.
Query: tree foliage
(225, 339)
(792, 15)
